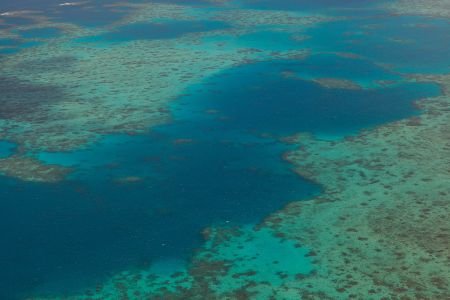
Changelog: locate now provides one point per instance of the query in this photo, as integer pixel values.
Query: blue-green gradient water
(134, 200)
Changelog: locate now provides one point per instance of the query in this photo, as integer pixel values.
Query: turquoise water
(134, 201)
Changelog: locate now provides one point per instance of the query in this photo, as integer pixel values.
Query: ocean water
(140, 200)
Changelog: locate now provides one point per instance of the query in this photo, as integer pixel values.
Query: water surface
(135, 201)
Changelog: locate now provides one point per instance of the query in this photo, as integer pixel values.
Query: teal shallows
(262, 256)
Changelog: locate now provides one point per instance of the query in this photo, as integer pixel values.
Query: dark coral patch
(20, 99)
(58, 63)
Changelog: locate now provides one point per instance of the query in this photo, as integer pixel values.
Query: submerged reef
(329, 83)
(337, 83)
(431, 8)
(30, 169)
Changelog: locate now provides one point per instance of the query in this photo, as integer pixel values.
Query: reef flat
(30, 169)
(433, 8)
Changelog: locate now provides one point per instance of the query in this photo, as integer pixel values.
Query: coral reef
(431, 8)
(81, 90)
(30, 169)
(337, 83)
(379, 230)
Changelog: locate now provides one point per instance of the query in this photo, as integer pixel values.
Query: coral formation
(432, 8)
(337, 83)
(30, 169)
